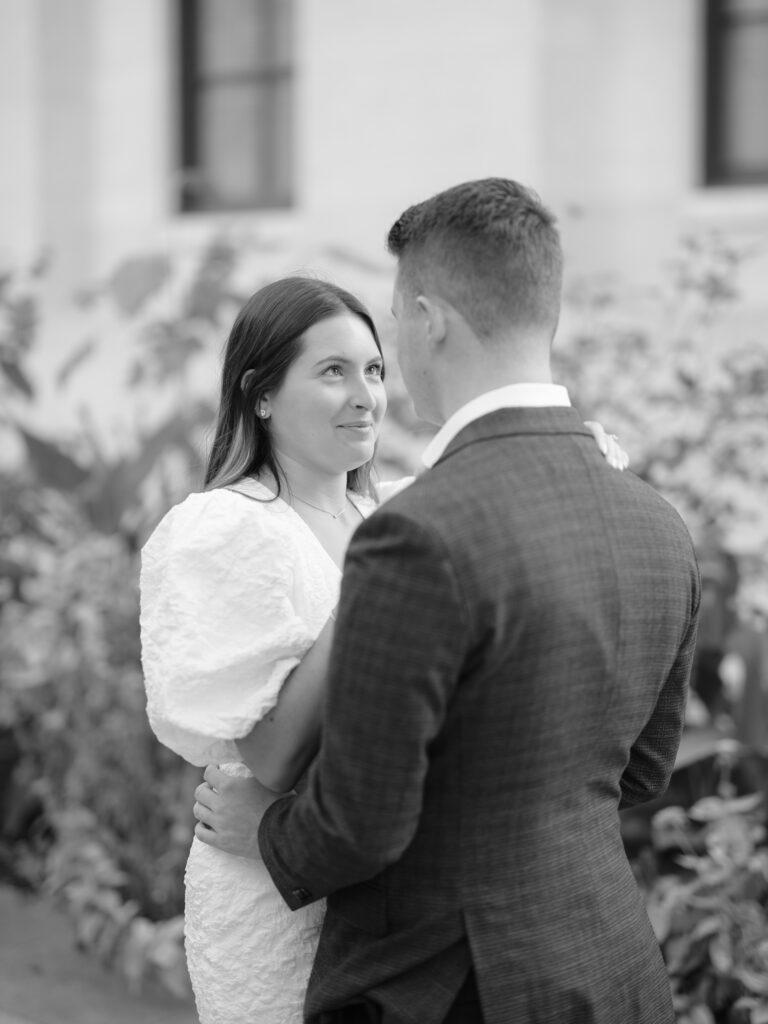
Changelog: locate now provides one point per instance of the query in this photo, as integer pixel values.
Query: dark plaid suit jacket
(514, 642)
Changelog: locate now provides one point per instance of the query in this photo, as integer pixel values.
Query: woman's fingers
(206, 835)
(214, 776)
(608, 445)
(599, 435)
(615, 454)
(204, 809)
(206, 796)
(203, 814)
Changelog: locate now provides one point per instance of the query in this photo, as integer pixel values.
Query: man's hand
(229, 810)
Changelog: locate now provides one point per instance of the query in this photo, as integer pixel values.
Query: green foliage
(116, 818)
(711, 915)
(136, 280)
(108, 923)
(18, 322)
(681, 376)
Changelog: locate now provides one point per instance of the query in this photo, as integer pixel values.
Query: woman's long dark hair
(266, 338)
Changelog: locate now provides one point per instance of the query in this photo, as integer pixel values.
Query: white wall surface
(402, 99)
(598, 104)
(19, 107)
(135, 127)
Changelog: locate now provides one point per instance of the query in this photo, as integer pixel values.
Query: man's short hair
(490, 248)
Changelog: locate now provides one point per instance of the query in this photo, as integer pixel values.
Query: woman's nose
(363, 396)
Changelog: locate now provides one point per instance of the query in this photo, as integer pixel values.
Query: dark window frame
(717, 168)
(192, 82)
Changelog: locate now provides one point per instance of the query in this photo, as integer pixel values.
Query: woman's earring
(263, 413)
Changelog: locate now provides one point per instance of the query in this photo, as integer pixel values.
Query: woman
(238, 586)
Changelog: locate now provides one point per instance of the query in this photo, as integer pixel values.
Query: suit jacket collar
(511, 422)
(523, 395)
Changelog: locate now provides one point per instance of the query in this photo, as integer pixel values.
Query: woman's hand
(609, 445)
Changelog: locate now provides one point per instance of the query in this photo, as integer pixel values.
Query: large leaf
(22, 320)
(16, 377)
(42, 264)
(81, 354)
(211, 284)
(721, 952)
(133, 955)
(660, 915)
(168, 347)
(699, 1014)
(711, 808)
(51, 465)
(115, 490)
(136, 280)
(754, 981)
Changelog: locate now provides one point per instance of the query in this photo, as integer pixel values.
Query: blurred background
(161, 159)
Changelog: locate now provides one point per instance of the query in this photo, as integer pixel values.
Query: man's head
(481, 260)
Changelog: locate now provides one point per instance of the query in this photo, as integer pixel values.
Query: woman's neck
(325, 490)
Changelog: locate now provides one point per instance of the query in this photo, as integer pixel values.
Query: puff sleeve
(219, 628)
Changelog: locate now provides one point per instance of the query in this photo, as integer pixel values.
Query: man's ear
(434, 320)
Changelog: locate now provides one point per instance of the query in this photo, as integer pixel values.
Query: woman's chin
(354, 464)
(359, 454)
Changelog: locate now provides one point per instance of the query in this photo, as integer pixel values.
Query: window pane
(744, 111)
(243, 36)
(278, 135)
(245, 145)
(237, 128)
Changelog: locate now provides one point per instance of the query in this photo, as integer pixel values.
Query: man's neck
(464, 391)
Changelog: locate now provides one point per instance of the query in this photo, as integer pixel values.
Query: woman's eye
(375, 369)
(332, 370)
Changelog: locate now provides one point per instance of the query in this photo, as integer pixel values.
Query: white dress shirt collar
(510, 396)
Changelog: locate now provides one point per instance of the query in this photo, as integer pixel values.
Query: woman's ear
(261, 405)
(263, 411)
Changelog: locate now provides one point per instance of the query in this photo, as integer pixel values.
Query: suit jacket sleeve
(652, 757)
(399, 648)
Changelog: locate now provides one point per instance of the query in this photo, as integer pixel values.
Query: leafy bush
(682, 376)
(115, 822)
(710, 913)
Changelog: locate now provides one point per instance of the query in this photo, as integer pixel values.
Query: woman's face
(327, 412)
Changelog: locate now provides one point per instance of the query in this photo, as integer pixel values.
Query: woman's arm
(281, 745)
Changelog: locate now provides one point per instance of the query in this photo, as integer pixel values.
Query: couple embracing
(422, 706)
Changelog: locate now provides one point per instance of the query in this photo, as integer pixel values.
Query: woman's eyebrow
(332, 359)
(344, 359)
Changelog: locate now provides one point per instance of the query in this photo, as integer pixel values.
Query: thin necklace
(333, 515)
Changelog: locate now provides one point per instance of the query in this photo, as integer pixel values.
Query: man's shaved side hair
(490, 249)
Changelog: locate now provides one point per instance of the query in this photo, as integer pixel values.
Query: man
(513, 646)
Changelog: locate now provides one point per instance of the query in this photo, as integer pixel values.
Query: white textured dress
(234, 591)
